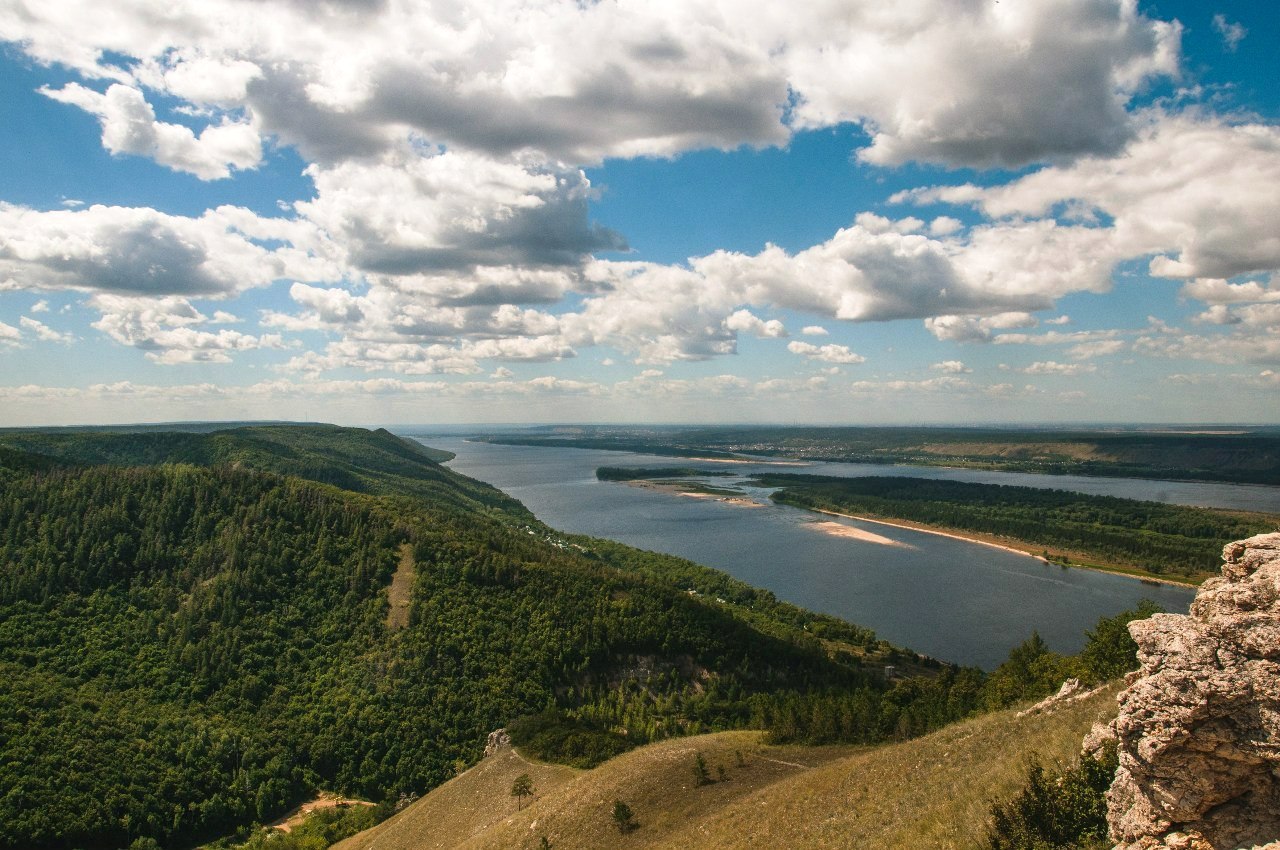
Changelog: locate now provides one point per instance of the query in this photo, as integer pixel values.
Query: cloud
(1253, 337)
(1196, 192)
(129, 126)
(745, 320)
(140, 251)
(976, 328)
(168, 330)
(1217, 292)
(43, 332)
(1050, 367)
(1081, 345)
(980, 84)
(445, 213)
(41, 306)
(581, 82)
(1096, 348)
(415, 358)
(941, 384)
(951, 367)
(945, 225)
(1232, 33)
(814, 330)
(826, 353)
(1255, 316)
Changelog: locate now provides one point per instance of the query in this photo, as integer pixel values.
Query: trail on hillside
(400, 590)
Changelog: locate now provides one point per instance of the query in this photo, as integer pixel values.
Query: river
(951, 599)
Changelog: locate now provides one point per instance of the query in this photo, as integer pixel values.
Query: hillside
(934, 792)
(194, 632)
(375, 462)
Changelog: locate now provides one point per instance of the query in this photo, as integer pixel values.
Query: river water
(951, 599)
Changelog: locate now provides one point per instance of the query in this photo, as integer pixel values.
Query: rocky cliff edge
(1198, 730)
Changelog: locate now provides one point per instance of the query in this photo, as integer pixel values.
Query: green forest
(194, 637)
(193, 631)
(1163, 539)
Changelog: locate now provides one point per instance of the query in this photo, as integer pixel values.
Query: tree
(521, 788)
(623, 818)
(701, 776)
(1110, 651)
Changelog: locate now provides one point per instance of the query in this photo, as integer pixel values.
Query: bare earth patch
(324, 800)
(398, 594)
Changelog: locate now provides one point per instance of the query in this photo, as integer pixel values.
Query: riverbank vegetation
(1170, 541)
(1237, 455)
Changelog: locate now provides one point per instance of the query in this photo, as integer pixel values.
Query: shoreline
(746, 461)
(958, 535)
(677, 488)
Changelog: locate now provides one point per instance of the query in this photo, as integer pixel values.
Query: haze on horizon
(393, 212)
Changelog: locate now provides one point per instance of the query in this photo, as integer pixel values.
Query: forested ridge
(185, 649)
(1159, 538)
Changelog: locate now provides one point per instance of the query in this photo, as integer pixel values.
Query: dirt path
(398, 594)
(324, 800)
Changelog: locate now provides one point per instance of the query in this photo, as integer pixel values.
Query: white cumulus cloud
(826, 353)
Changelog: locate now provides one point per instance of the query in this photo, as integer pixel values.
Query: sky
(441, 211)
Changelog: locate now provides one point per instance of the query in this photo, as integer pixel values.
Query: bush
(1060, 812)
(553, 737)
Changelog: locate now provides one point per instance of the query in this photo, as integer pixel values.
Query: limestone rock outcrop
(1198, 731)
(498, 740)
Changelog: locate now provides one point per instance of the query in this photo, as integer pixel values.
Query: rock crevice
(1198, 730)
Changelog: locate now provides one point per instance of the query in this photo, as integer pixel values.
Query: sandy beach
(835, 529)
(740, 501)
(993, 545)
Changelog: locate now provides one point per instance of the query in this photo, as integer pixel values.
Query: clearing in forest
(400, 590)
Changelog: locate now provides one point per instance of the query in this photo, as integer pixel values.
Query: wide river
(951, 599)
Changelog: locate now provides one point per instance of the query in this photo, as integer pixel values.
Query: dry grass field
(933, 792)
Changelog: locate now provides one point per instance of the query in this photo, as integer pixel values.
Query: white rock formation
(1199, 725)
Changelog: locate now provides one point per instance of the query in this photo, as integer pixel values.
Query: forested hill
(375, 462)
(194, 633)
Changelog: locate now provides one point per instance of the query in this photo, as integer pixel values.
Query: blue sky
(384, 212)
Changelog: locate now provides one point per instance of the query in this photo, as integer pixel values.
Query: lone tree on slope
(623, 818)
(521, 788)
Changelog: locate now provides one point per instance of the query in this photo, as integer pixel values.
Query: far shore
(747, 461)
(960, 535)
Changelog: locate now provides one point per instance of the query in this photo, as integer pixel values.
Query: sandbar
(973, 539)
(835, 529)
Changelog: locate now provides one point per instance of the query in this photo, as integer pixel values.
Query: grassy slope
(931, 792)
(463, 806)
